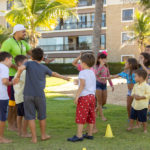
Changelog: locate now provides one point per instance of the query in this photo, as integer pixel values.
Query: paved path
(118, 97)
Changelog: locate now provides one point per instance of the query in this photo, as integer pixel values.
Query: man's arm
(80, 89)
(54, 74)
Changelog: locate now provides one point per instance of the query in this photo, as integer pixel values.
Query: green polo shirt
(14, 48)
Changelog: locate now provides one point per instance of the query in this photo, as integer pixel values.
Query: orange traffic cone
(109, 133)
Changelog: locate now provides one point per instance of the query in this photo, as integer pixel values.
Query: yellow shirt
(19, 88)
(142, 89)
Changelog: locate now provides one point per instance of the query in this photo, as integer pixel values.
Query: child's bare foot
(145, 131)
(46, 137)
(34, 141)
(104, 119)
(12, 129)
(5, 141)
(26, 135)
(95, 130)
(136, 127)
(129, 129)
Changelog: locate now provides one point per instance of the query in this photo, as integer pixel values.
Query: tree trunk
(97, 26)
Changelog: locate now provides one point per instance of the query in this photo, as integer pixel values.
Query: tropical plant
(141, 29)
(39, 13)
(145, 3)
(97, 26)
(4, 34)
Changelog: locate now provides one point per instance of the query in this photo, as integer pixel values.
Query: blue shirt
(35, 78)
(130, 78)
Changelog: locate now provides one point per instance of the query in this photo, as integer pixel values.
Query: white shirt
(19, 88)
(90, 82)
(4, 73)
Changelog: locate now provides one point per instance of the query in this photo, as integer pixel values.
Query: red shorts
(85, 111)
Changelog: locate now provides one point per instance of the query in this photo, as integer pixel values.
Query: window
(126, 37)
(103, 42)
(103, 20)
(127, 15)
(70, 43)
(124, 58)
(104, 2)
(9, 4)
(83, 3)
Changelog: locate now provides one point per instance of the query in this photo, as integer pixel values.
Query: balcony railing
(67, 47)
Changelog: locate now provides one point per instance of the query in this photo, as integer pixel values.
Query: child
(102, 73)
(18, 88)
(34, 96)
(130, 67)
(141, 95)
(147, 49)
(85, 99)
(5, 63)
(144, 61)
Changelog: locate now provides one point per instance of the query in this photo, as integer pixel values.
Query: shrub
(69, 69)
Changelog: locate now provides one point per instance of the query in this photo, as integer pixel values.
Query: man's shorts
(140, 115)
(3, 110)
(85, 111)
(20, 109)
(129, 93)
(33, 104)
(100, 86)
(11, 94)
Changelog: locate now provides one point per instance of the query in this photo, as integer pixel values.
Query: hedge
(69, 69)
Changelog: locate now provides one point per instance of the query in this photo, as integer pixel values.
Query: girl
(130, 66)
(144, 61)
(102, 73)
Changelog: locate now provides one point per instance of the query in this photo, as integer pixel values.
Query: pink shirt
(102, 72)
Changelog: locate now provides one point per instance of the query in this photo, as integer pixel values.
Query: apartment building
(72, 36)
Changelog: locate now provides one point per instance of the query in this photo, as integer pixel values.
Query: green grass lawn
(52, 81)
(60, 125)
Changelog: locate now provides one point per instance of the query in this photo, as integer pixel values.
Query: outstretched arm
(55, 74)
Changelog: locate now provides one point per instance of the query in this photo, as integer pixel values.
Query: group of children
(137, 74)
(91, 96)
(29, 84)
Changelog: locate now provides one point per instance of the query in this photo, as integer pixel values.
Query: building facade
(74, 35)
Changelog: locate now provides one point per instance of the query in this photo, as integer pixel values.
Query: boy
(141, 95)
(5, 63)
(147, 49)
(34, 96)
(19, 88)
(85, 99)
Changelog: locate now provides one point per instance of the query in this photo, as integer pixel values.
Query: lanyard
(21, 48)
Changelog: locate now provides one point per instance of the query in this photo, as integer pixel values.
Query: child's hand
(15, 81)
(76, 101)
(76, 81)
(113, 88)
(67, 78)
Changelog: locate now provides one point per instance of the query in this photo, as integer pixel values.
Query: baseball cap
(18, 27)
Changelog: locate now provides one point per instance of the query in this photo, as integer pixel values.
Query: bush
(69, 69)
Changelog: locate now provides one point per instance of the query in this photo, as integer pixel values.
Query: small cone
(84, 149)
(109, 133)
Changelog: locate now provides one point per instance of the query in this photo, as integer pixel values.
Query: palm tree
(39, 13)
(141, 29)
(4, 34)
(97, 26)
(145, 3)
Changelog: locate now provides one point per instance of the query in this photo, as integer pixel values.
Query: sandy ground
(118, 97)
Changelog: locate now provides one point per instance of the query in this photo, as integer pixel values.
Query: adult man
(15, 45)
